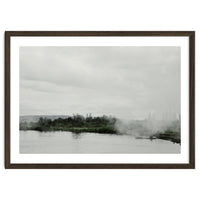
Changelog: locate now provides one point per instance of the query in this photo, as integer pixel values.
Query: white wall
(98, 15)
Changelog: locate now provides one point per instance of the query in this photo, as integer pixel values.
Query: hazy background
(126, 82)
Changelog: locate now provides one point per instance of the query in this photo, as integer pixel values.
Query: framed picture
(100, 99)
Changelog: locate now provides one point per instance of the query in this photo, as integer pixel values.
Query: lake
(35, 142)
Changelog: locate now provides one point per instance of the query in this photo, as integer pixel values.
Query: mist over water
(130, 136)
(146, 127)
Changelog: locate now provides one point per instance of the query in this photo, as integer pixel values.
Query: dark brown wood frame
(190, 165)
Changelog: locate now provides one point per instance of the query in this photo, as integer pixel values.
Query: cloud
(123, 81)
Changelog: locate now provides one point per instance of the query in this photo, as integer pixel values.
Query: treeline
(170, 135)
(76, 123)
(104, 124)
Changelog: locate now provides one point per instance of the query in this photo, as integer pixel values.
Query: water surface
(32, 142)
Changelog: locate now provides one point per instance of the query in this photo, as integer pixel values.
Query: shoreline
(169, 136)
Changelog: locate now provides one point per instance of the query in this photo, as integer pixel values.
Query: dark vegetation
(76, 124)
(104, 124)
(169, 135)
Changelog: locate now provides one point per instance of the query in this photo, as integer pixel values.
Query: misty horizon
(150, 116)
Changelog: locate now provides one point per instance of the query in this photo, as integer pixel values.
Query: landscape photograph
(100, 100)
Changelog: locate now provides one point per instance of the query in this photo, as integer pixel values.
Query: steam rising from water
(146, 127)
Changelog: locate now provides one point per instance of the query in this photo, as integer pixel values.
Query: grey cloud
(123, 81)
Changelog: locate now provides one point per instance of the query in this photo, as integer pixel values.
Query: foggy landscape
(100, 100)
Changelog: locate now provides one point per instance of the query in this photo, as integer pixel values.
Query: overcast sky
(126, 82)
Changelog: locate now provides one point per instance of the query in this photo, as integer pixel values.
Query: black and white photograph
(100, 99)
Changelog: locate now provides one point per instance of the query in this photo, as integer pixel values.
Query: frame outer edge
(7, 100)
(191, 164)
(99, 33)
(192, 99)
